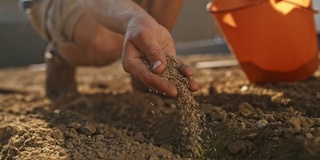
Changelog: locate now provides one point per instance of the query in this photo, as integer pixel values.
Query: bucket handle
(256, 3)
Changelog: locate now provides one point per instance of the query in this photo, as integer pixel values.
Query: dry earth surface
(108, 120)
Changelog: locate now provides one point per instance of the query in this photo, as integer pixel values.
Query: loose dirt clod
(191, 117)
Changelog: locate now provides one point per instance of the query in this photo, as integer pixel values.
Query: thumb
(154, 54)
(156, 59)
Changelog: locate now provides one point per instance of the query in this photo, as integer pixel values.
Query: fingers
(188, 72)
(133, 64)
(154, 43)
(154, 55)
(193, 85)
(153, 80)
(149, 45)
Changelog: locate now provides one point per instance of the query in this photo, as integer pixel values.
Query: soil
(109, 120)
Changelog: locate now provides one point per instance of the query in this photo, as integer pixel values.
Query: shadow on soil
(158, 119)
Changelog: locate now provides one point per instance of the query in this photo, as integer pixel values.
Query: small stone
(231, 115)
(110, 135)
(244, 88)
(246, 109)
(139, 137)
(317, 140)
(261, 123)
(316, 132)
(56, 111)
(89, 129)
(73, 133)
(17, 143)
(276, 138)
(57, 134)
(277, 96)
(234, 147)
(173, 106)
(252, 136)
(75, 125)
(219, 116)
(69, 145)
(309, 136)
(295, 124)
(311, 129)
(256, 116)
(217, 109)
(243, 125)
(99, 137)
(21, 132)
(278, 132)
(306, 122)
(317, 122)
(100, 154)
(167, 111)
(270, 118)
(259, 111)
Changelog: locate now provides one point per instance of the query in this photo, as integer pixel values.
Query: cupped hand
(146, 43)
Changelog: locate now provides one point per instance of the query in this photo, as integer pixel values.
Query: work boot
(60, 75)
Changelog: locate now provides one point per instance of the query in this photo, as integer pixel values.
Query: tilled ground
(110, 121)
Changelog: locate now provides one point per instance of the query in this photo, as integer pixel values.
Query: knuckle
(126, 65)
(152, 53)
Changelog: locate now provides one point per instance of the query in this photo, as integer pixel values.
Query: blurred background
(194, 32)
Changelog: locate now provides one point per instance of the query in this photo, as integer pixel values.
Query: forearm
(116, 15)
(165, 11)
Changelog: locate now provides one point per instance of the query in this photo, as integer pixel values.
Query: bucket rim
(209, 6)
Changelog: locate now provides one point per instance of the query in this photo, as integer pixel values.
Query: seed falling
(189, 109)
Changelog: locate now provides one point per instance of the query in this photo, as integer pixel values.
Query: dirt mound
(110, 121)
(61, 134)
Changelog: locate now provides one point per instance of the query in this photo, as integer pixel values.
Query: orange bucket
(273, 40)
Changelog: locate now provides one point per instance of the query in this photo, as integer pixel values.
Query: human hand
(145, 45)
